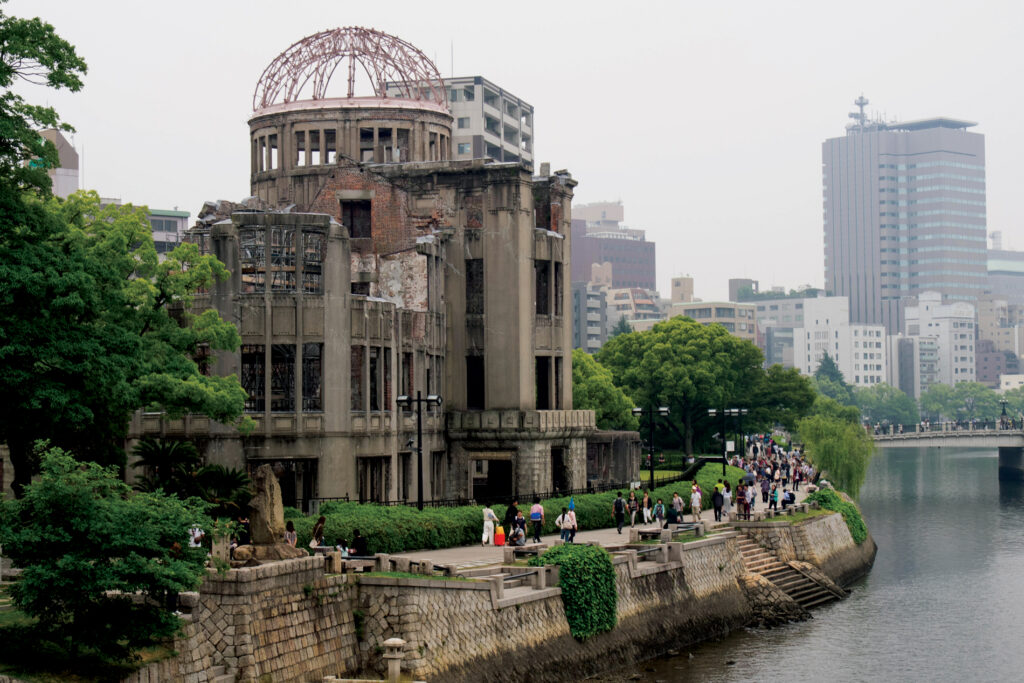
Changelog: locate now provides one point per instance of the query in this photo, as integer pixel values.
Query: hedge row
(402, 528)
(830, 500)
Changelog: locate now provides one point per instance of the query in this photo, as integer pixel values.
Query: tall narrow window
(282, 378)
(475, 382)
(282, 259)
(330, 147)
(300, 148)
(356, 215)
(407, 376)
(357, 378)
(272, 143)
(252, 376)
(375, 385)
(312, 377)
(252, 259)
(558, 383)
(313, 262)
(558, 287)
(474, 286)
(386, 378)
(543, 375)
(314, 148)
(542, 272)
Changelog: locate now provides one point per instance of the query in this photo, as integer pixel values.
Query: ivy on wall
(830, 500)
(587, 580)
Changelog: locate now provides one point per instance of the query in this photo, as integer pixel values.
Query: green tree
(176, 467)
(838, 448)
(94, 327)
(686, 366)
(884, 402)
(936, 402)
(829, 381)
(621, 327)
(593, 389)
(31, 52)
(781, 396)
(86, 543)
(830, 408)
(965, 400)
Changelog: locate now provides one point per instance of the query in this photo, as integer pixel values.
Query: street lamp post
(1002, 418)
(407, 402)
(650, 413)
(733, 412)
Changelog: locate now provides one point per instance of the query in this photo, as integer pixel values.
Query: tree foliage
(884, 402)
(686, 366)
(827, 407)
(94, 327)
(781, 396)
(175, 467)
(86, 543)
(587, 579)
(621, 327)
(830, 382)
(593, 389)
(841, 449)
(965, 400)
(31, 52)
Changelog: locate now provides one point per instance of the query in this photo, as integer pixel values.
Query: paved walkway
(482, 556)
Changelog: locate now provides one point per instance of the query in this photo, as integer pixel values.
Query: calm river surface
(944, 601)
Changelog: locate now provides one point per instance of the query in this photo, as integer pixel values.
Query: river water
(944, 601)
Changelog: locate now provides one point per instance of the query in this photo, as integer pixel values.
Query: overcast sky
(706, 119)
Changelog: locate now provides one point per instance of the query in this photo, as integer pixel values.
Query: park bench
(513, 552)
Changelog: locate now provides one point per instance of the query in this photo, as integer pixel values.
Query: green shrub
(401, 528)
(587, 580)
(830, 500)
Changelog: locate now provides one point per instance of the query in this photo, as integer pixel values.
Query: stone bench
(511, 553)
(656, 534)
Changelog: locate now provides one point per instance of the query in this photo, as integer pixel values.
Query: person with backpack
(619, 511)
(717, 500)
(537, 517)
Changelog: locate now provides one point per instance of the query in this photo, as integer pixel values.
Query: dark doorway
(559, 475)
(543, 382)
(492, 479)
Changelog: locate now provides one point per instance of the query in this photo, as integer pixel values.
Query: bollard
(393, 653)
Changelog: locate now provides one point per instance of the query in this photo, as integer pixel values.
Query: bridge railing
(929, 427)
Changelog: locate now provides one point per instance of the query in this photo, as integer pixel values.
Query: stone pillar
(1011, 463)
(393, 655)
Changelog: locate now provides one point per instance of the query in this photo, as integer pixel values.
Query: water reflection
(942, 603)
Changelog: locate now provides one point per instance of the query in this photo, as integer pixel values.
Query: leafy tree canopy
(781, 396)
(85, 543)
(621, 327)
(593, 389)
(686, 366)
(31, 52)
(94, 327)
(841, 449)
(830, 408)
(884, 402)
(965, 400)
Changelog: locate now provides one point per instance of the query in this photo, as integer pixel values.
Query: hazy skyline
(705, 120)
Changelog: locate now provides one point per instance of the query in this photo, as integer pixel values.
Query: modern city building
(600, 238)
(857, 349)
(1006, 275)
(952, 326)
(904, 213)
(488, 121)
(742, 284)
(682, 290)
(65, 177)
(368, 265)
(168, 228)
(993, 363)
(913, 363)
(738, 319)
(634, 304)
(589, 317)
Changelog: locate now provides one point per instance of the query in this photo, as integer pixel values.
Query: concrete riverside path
(483, 556)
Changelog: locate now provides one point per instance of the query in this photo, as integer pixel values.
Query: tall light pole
(650, 413)
(738, 413)
(406, 402)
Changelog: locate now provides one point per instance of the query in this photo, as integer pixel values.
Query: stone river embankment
(294, 621)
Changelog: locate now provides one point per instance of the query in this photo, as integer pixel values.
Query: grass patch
(833, 501)
(799, 516)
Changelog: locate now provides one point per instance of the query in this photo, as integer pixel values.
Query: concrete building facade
(953, 328)
(589, 317)
(65, 177)
(737, 319)
(858, 350)
(599, 238)
(904, 213)
(370, 264)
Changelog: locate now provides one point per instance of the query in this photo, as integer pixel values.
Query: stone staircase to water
(806, 592)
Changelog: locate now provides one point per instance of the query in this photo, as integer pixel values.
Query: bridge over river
(1010, 442)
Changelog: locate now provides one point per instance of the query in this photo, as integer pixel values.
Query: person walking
(633, 506)
(773, 502)
(489, 519)
(619, 511)
(318, 532)
(659, 512)
(765, 488)
(563, 524)
(573, 527)
(646, 507)
(695, 502)
(727, 500)
(717, 500)
(537, 517)
(677, 503)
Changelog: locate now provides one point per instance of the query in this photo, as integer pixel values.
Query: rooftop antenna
(860, 118)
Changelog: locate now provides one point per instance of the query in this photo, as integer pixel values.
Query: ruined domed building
(369, 265)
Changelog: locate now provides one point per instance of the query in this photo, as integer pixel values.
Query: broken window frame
(358, 378)
(282, 378)
(252, 376)
(357, 216)
(252, 259)
(474, 286)
(282, 259)
(312, 262)
(542, 286)
(312, 377)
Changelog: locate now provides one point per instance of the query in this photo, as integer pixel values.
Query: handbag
(313, 543)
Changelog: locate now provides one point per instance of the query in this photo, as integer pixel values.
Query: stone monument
(266, 522)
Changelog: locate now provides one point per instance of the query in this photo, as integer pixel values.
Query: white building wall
(858, 350)
(953, 327)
